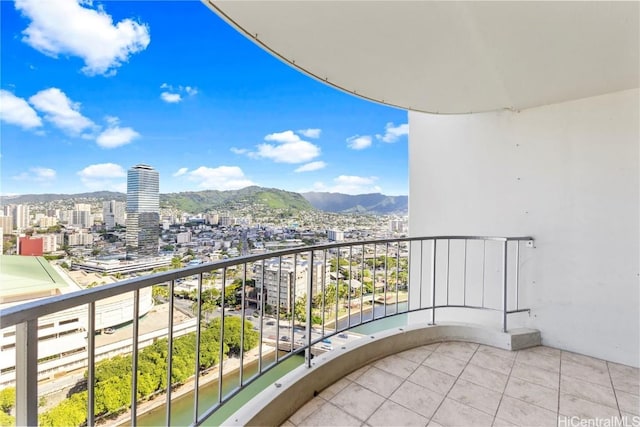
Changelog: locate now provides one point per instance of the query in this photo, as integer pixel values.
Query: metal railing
(312, 293)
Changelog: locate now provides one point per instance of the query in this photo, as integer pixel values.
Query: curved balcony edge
(278, 402)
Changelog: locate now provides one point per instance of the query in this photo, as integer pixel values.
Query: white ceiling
(450, 56)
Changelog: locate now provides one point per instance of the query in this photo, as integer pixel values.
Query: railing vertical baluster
(464, 276)
(324, 279)
(349, 287)
(27, 373)
(221, 361)
(504, 285)
(278, 290)
(242, 324)
(170, 352)
(373, 277)
(517, 274)
(362, 287)
(408, 284)
(434, 247)
(386, 276)
(292, 303)
(134, 358)
(307, 350)
(397, 274)
(196, 386)
(262, 305)
(335, 322)
(484, 261)
(421, 270)
(91, 367)
(448, 261)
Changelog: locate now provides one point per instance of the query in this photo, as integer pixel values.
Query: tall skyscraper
(143, 211)
(113, 214)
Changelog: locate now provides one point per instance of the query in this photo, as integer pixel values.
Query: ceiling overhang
(450, 56)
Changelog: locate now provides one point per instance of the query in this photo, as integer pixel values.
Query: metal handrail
(25, 316)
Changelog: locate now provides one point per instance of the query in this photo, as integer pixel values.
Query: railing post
(433, 281)
(307, 350)
(27, 373)
(504, 285)
(91, 366)
(134, 358)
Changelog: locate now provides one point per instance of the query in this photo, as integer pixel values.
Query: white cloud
(284, 137)
(358, 142)
(181, 172)
(239, 150)
(220, 178)
(115, 136)
(310, 133)
(17, 111)
(104, 176)
(45, 175)
(60, 110)
(351, 184)
(291, 149)
(171, 98)
(66, 27)
(173, 94)
(393, 133)
(313, 166)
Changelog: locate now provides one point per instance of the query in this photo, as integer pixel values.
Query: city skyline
(191, 96)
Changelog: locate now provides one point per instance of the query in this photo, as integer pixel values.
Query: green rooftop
(26, 275)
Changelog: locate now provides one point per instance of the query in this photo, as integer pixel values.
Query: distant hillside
(214, 200)
(202, 201)
(44, 198)
(374, 203)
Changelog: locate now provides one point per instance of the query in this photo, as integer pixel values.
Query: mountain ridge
(207, 200)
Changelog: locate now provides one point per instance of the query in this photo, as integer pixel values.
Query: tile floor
(465, 384)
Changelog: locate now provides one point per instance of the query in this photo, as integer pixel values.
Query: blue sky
(88, 90)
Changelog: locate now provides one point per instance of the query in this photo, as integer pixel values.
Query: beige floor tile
(497, 422)
(544, 350)
(625, 378)
(445, 364)
(307, 409)
(628, 402)
(379, 381)
(532, 393)
(475, 396)
(434, 424)
(490, 361)
(536, 375)
(432, 379)
(397, 366)
(392, 414)
(458, 350)
(484, 377)
(585, 372)
(506, 354)
(334, 388)
(454, 413)
(357, 401)
(525, 414)
(589, 391)
(330, 415)
(355, 374)
(288, 423)
(432, 347)
(539, 360)
(574, 406)
(416, 355)
(583, 360)
(417, 398)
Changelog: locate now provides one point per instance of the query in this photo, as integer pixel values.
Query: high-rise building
(113, 214)
(143, 211)
(21, 214)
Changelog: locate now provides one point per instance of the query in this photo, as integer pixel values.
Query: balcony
(445, 312)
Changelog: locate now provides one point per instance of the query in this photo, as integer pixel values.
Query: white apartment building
(184, 237)
(47, 221)
(50, 242)
(284, 283)
(80, 218)
(335, 235)
(21, 216)
(80, 239)
(113, 213)
(6, 223)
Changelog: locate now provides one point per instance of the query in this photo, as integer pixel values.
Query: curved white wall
(567, 174)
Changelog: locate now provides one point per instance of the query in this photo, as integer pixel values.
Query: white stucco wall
(567, 174)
